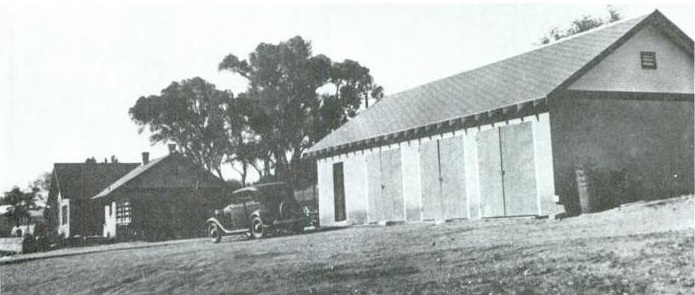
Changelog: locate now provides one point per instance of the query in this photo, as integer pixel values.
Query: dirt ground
(643, 248)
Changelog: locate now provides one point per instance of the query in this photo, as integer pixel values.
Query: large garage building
(597, 119)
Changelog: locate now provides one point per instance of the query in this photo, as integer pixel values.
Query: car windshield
(242, 197)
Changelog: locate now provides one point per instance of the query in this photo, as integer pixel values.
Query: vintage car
(257, 210)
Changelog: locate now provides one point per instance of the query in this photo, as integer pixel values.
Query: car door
(237, 216)
(250, 207)
(225, 219)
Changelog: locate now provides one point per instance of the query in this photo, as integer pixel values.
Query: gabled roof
(124, 181)
(521, 79)
(137, 171)
(83, 180)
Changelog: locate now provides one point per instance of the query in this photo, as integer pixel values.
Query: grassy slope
(642, 248)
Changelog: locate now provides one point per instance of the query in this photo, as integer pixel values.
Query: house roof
(513, 81)
(124, 181)
(134, 173)
(83, 180)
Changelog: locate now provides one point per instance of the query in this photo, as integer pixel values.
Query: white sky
(70, 72)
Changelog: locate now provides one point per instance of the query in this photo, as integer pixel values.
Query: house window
(64, 213)
(648, 60)
(123, 212)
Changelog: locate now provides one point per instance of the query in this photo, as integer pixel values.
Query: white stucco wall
(470, 146)
(622, 69)
(63, 229)
(356, 189)
(110, 220)
(325, 189)
(357, 179)
(545, 180)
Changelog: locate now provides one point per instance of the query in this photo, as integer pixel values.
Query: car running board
(236, 231)
(279, 222)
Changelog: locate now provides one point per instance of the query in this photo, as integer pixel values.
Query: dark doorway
(338, 192)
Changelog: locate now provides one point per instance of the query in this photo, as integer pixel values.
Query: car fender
(286, 205)
(263, 215)
(216, 222)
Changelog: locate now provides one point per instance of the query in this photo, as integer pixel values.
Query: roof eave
(500, 114)
(654, 18)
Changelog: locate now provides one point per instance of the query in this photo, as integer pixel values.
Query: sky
(69, 72)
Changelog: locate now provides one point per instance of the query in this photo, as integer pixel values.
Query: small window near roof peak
(648, 60)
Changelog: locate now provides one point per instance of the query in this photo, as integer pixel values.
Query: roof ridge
(130, 175)
(601, 27)
(544, 46)
(534, 74)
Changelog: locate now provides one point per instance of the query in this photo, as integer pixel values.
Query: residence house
(165, 198)
(72, 186)
(585, 123)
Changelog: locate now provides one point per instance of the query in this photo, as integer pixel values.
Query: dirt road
(645, 248)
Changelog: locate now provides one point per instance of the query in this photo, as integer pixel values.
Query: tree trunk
(219, 172)
(254, 165)
(281, 165)
(266, 166)
(244, 169)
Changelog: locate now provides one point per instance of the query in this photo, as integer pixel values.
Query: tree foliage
(580, 25)
(243, 143)
(353, 84)
(287, 111)
(190, 113)
(283, 80)
(21, 203)
(293, 99)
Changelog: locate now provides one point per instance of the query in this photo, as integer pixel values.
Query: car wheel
(214, 233)
(257, 228)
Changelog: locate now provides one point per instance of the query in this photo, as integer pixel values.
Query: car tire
(257, 228)
(215, 233)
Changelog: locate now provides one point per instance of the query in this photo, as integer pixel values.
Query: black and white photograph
(446, 147)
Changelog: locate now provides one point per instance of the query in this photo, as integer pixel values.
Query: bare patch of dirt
(643, 248)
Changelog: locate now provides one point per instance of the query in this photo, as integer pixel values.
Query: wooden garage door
(443, 179)
(507, 171)
(490, 173)
(519, 168)
(385, 186)
(374, 186)
(452, 177)
(392, 185)
(431, 189)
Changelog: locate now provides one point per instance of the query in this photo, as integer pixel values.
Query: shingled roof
(524, 78)
(125, 182)
(83, 180)
(122, 181)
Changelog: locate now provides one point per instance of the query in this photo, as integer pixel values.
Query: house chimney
(172, 148)
(145, 158)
